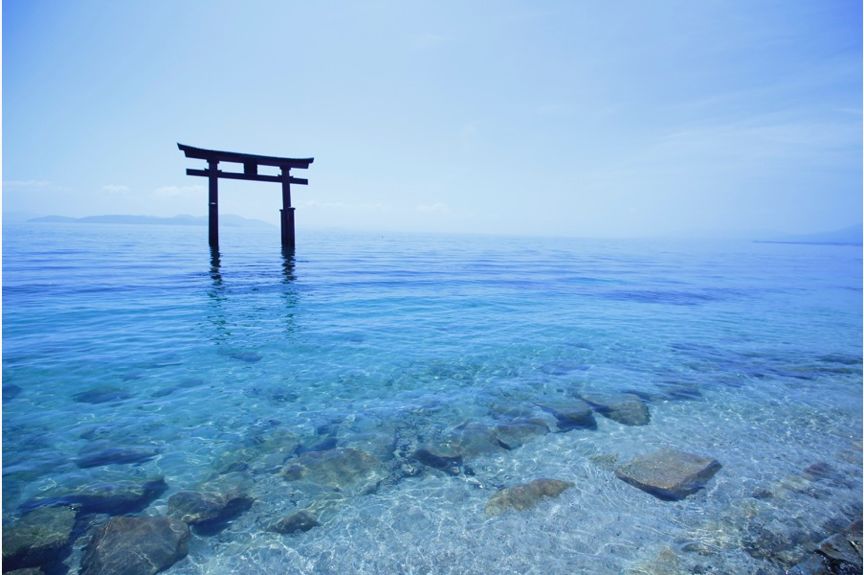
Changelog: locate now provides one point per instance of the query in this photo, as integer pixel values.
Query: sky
(574, 118)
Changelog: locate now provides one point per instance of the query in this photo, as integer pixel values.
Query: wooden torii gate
(250, 172)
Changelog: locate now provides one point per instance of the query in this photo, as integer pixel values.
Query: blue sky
(617, 119)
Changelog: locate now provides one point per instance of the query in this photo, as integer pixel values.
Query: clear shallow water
(749, 353)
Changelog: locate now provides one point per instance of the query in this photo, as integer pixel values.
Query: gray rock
(446, 462)
(516, 433)
(241, 354)
(570, 414)
(299, 521)
(625, 408)
(839, 554)
(38, 538)
(669, 474)
(216, 503)
(102, 394)
(103, 454)
(197, 507)
(135, 546)
(844, 547)
(525, 496)
(11, 391)
(470, 439)
(114, 497)
(344, 469)
(262, 452)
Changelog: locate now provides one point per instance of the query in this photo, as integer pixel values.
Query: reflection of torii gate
(250, 172)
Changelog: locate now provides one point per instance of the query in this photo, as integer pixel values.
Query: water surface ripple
(134, 337)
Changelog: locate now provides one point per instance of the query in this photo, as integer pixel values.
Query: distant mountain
(847, 236)
(227, 220)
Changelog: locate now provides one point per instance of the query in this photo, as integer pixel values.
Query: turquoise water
(133, 337)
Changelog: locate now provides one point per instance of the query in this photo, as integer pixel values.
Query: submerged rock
(241, 354)
(102, 454)
(214, 504)
(430, 457)
(625, 408)
(344, 469)
(839, 554)
(571, 414)
(135, 546)
(203, 508)
(669, 474)
(262, 452)
(299, 521)
(518, 432)
(525, 496)
(38, 538)
(102, 394)
(113, 497)
(11, 391)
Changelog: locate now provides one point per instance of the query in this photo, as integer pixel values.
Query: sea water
(138, 337)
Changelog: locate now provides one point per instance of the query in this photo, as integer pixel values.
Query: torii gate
(250, 172)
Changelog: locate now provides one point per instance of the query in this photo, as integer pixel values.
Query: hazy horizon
(635, 120)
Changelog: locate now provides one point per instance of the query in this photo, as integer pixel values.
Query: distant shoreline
(228, 220)
(801, 242)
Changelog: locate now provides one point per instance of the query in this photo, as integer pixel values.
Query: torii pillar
(287, 213)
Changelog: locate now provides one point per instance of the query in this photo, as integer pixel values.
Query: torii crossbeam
(250, 162)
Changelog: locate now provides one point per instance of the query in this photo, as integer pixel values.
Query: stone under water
(114, 497)
(525, 496)
(669, 474)
(298, 521)
(626, 408)
(197, 507)
(444, 461)
(102, 394)
(839, 554)
(570, 413)
(344, 469)
(101, 454)
(135, 546)
(516, 433)
(38, 538)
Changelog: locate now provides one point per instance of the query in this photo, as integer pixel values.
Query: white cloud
(26, 183)
(427, 40)
(436, 208)
(115, 189)
(179, 191)
(377, 206)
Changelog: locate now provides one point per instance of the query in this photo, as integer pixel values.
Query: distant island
(228, 220)
(846, 236)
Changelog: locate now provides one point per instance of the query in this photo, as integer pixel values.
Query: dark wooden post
(287, 212)
(213, 212)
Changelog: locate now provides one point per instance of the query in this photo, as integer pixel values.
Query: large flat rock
(526, 495)
(669, 474)
(135, 546)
